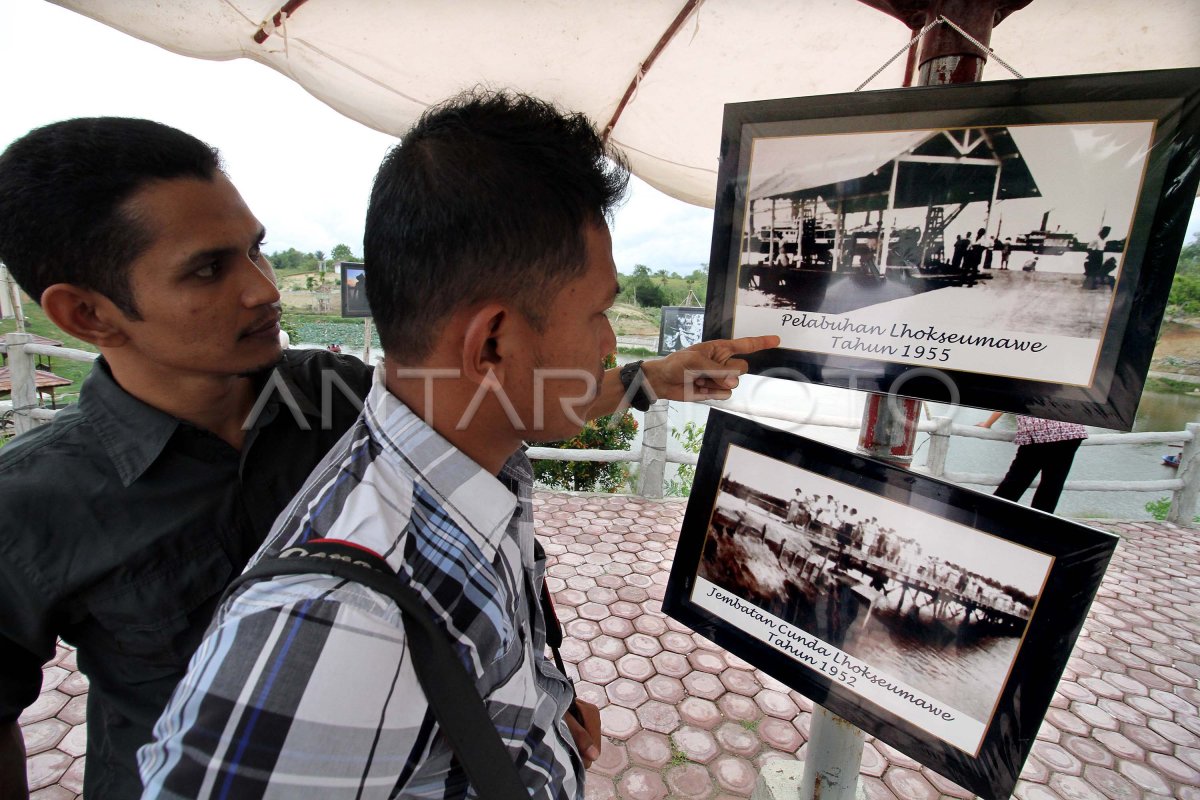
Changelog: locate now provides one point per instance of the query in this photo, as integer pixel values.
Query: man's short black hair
(63, 194)
(487, 196)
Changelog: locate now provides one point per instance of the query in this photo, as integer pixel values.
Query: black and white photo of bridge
(874, 578)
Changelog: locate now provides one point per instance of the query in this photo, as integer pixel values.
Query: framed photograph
(354, 289)
(936, 618)
(681, 327)
(1008, 245)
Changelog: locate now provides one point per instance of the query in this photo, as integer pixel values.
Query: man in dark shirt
(123, 524)
(124, 519)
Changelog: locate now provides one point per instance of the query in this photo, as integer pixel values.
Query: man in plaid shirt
(491, 272)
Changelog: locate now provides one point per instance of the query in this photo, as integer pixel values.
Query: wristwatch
(632, 375)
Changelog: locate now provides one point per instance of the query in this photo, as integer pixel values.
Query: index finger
(751, 344)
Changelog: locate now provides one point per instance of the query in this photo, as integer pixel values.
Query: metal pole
(834, 758)
(889, 428)
(652, 470)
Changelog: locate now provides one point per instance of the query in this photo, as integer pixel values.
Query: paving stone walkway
(684, 719)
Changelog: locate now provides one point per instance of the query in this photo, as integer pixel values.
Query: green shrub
(1161, 507)
(690, 438)
(605, 433)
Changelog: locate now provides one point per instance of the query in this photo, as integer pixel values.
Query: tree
(342, 252)
(649, 294)
(1184, 299)
(641, 271)
(292, 260)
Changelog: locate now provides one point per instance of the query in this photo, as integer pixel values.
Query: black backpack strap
(448, 687)
(554, 631)
(554, 634)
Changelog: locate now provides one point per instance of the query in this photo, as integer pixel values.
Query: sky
(303, 168)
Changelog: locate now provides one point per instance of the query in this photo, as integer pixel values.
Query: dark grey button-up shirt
(120, 526)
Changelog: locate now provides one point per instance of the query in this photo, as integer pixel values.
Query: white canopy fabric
(382, 62)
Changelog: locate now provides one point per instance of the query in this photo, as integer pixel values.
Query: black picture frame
(1002, 591)
(680, 328)
(833, 225)
(352, 274)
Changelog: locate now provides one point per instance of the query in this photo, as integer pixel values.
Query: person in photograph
(1045, 446)
(691, 329)
(794, 506)
(1030, 265)
(974, 255)
(1106, 277)
(1005, 252)
(959, 252)
(448, 504)
(685, 329)
(1093, 263)
(987, 256)
(845, 536)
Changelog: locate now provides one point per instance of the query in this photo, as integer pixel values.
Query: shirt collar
(478, 498)
(134, 434)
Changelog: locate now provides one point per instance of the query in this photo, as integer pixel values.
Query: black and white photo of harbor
(938, 606)
(1029, 217)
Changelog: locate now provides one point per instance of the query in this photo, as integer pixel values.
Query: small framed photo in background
(681, 327)
(354, 289)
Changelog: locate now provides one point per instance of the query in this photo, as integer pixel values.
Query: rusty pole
(889, 425)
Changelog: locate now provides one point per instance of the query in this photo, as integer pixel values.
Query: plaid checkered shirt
(304, 687)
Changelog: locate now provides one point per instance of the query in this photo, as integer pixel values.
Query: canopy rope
(921, 34)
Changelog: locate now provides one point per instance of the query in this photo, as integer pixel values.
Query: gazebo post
(889, 427)
(24, 382)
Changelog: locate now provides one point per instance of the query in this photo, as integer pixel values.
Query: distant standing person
(960, 251)
(1093, 264)
(974, 255)
(794, 506)
(1005, 252)
(1045, 446)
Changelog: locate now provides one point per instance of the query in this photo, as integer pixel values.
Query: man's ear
(85, 314)
(483, 351)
